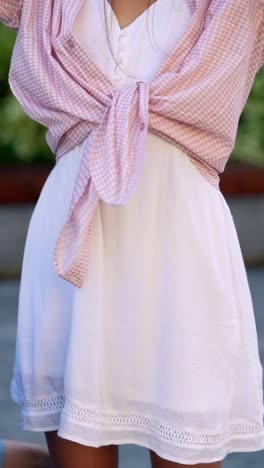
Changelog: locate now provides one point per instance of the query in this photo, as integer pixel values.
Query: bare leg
(25, 455)
(68, 454)
(158, 462)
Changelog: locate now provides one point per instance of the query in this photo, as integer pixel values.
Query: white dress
(159, 347)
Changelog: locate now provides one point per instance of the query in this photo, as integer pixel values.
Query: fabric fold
(110, 167)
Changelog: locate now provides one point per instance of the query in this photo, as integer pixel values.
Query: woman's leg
(68, 454)
(25, 455)
(158, 462)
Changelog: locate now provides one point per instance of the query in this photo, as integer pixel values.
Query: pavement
(131, 455)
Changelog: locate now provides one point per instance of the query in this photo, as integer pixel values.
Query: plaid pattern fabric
(194, 101)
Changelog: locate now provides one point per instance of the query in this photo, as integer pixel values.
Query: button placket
(120, 60)
(120, 48)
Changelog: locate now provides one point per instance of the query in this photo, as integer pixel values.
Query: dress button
(70, 43)
(123, 34)
(142, 126)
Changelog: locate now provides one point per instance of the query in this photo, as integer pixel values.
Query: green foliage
(23, 140)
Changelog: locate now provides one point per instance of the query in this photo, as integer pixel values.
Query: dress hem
(237, 445)
(89, 427)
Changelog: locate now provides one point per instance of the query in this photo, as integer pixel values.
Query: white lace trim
(45, 404)
(135, 421)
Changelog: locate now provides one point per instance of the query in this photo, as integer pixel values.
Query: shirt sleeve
(261, 34)
(10, 11)
(262, 59)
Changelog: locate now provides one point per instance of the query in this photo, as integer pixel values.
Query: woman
(156, 343)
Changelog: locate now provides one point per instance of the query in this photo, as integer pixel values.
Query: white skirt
(159, 347)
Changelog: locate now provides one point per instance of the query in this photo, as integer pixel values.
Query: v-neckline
(132, 23)
(176, 56)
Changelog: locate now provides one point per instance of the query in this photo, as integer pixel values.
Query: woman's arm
(10, 11)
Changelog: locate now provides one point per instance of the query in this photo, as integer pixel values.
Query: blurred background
(25, 162)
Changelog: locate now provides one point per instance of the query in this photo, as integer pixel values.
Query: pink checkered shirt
(194, 101)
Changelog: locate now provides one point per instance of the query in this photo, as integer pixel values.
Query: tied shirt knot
(111, 164)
